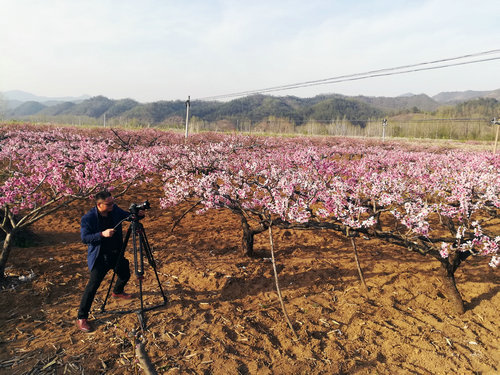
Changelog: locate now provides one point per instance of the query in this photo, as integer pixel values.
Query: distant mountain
(495, 94)
(93, 107)
(325, 108)
(27, 109)
(120, 106)
(406, 101)
(23, 96)
(11, 104)
(462, 96)
(406, 95)
(57, 109)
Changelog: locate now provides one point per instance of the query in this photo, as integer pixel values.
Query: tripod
(140, 247)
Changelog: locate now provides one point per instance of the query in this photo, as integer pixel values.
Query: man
(104, 246)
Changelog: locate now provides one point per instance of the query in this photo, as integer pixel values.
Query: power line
(370, 74)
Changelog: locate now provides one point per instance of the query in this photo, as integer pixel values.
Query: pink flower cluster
(43, 167)
(355, 184)
(302, 180)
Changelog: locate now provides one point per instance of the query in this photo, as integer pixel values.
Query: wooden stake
(497, 123)
(188, 104)
(277, 283)
(360, 271)
(384, 125)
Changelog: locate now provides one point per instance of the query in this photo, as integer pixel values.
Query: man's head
(104, 202)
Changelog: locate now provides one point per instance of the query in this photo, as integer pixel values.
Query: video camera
(135, 208)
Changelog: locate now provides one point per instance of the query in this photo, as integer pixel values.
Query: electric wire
(369, 74)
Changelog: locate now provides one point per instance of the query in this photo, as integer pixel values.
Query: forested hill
(252, 109)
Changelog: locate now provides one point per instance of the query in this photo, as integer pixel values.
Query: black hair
(102, 195)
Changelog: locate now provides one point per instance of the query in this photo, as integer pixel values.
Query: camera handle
(121, 221)
(131, 218)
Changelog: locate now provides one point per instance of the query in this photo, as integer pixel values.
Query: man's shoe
(122, 295)
(83, 325)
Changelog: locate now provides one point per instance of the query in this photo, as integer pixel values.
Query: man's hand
(108, 232)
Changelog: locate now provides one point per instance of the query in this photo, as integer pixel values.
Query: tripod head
(135, 208)
(134, 213)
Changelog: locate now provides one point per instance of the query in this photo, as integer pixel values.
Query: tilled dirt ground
(223, 315)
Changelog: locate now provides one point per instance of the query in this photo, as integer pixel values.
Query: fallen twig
(144, 361)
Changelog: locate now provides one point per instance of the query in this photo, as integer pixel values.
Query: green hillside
(323, 114)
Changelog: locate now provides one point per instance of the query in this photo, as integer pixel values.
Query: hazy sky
(153, 50)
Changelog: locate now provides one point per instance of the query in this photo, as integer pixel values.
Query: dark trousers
(101, 268)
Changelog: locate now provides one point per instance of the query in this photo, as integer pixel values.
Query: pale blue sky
(165, 50)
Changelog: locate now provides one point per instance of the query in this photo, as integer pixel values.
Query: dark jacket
(91, 232)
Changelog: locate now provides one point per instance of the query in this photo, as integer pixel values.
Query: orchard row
(434, 201)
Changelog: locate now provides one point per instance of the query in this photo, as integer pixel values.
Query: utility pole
(188, 104)
(104, 120)
(384, 125)
(497, 123)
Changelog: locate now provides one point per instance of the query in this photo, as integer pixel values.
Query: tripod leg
(139, 267)
(107, 294)
(142, 319)
(143, 238)
(147, 248)
(122, 251)
(140, 313)
(138, 255)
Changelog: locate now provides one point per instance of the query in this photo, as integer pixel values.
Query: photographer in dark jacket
(104, 246)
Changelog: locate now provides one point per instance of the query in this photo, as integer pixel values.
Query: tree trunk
(7, 242)
(450, 287)
(247, 238)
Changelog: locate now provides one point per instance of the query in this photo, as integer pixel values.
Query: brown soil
(224, 317)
